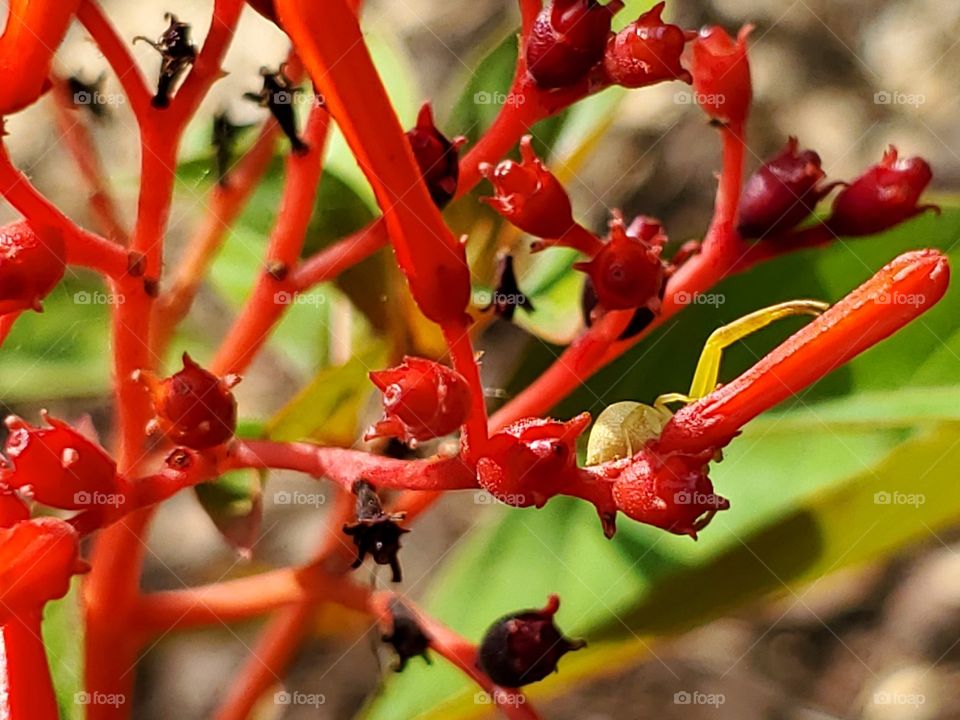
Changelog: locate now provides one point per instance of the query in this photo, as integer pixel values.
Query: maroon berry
(524, 647)
(567, 39)
(884, 196)
(647, 51)
(194, 407)
(782, 192)
(406, 636)
(437, 157)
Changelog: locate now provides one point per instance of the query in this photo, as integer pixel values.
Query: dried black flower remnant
(177, 53)
(524, 647)
(225, 135)
(407, 637)
(375, 532)
(507, 296)
(88, 96)
(277, 95)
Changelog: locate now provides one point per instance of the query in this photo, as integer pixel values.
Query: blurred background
(813, 599)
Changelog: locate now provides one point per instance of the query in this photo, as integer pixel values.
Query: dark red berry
(721, 74)
(375, 532)
(31, 264)
(524, 647)
(567, 39)
(782, 192)
(642, 317)
(628, 271)
(437, 157)
(529, 195)
(884, 196)
(61, 468)
(422, 399)
(507, 296)
(194, 407)
(645, 52)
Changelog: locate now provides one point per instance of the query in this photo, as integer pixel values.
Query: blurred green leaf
(234, 502)
(63, 640)
(854, 468)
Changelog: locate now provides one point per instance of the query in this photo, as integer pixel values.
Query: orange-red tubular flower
(34, 30)
(37, 559)
(327, 37)
(721, 74)
(901, 291)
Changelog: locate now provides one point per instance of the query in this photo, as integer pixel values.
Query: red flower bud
(524, 647)
(437, 157)
(531, 460)
(528, 195)
(567, 39)
(721, 74)
(628, 272)
(782, 192)
(194, 407)
(31, 264)
(37, 558)
(672, 491)
(60, 468)
(422, 400)
(645, 52)
(882, 197)
(12, 508)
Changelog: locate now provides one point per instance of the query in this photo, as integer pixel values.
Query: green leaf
(63, 640)
(234, 502)
(855, 467)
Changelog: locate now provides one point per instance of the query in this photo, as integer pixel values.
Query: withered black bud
(507, 296)
(524, 647)
(375, 532)
(278, 95)
(407, 637)
(642, 316)
(177, 53)
(224, 139)
(89, 96)
(437, 157)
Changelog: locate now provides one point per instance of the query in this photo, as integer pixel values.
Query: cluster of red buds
(785, 190)
(570, 39)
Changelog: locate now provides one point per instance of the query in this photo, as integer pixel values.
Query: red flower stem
(79, 142)
(474, 440)
(26, 690)
(283, 633)
(83, 248)
(265, 305)
(224, 205)
(344, 466)
(329, 41)
(118, 54)
(326, 264)
(579, 238)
